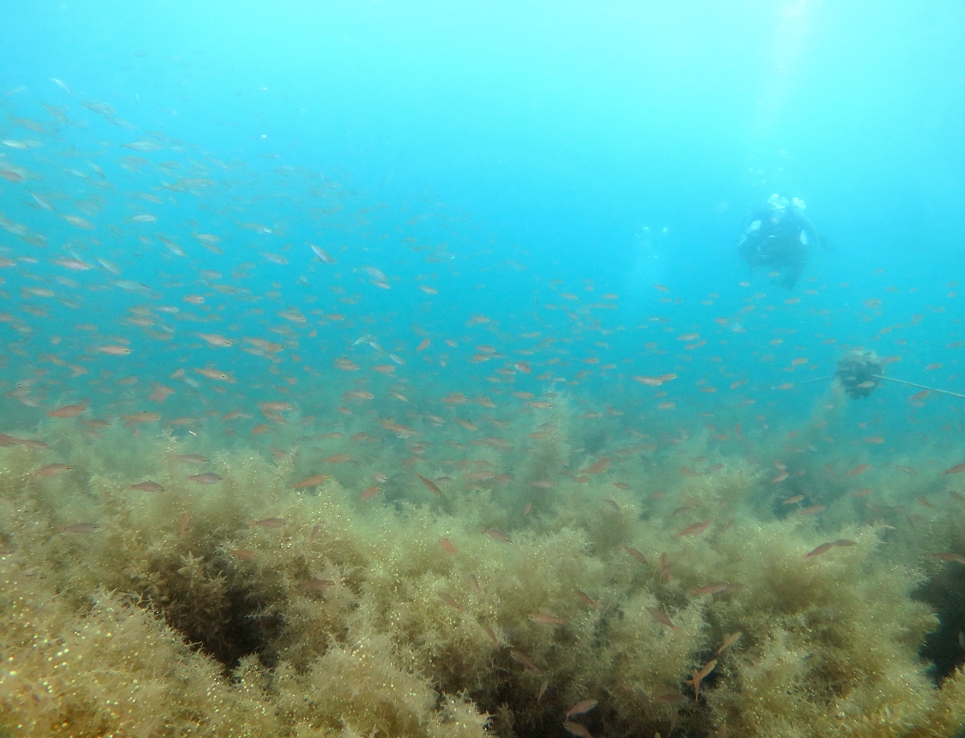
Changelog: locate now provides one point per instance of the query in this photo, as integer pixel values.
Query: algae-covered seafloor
(521, 588)
(279, 458)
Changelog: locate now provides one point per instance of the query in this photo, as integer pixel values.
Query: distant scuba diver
(777, 237)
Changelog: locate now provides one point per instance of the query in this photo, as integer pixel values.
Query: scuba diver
(777, 238)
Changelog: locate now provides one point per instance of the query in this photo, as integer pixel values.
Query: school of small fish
(153, 288)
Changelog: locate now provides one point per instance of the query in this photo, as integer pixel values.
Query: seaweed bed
(250, 607)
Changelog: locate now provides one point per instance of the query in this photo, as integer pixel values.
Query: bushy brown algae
(249, 608)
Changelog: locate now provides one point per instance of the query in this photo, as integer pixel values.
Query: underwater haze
(482, 369)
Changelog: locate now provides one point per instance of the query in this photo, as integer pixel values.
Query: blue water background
(621, 143)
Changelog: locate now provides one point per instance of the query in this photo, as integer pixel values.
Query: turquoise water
(403, 243)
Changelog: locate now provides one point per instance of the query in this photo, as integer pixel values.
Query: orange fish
(649, 381)
(312, 481)
(823, 548)
(698, 676)
(730, 641)
(599, 467)
(216, 374)
(577, 729)
(274, 407)
(447, 546)
(661, 617)
(269, 523)
(370, 492)
(358, 395)
(666, 568)
(430, 485)
(142, 417)
(113, 350)
(401, 431)
(495, 534)
(53, 470)
(525, 661)
(492, 636)
(635, 554)
(12, 176)
(148, 486)
(949, 556)
(449, 601)
(216, 340)
(79, 528)
(544, 619)
(205, 478)
(321, 254)
(69, 411)
(586, 600)
(337, 458)
(582, 707)
(695, 529)
(160, 393)
(957, 469)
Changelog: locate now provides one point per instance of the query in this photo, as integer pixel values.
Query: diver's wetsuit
(777, 238)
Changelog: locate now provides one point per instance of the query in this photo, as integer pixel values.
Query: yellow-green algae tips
(280, 611)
